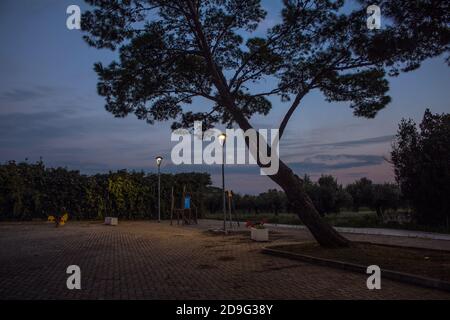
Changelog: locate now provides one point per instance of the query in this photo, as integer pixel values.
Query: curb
(389, 274)
(376, 231)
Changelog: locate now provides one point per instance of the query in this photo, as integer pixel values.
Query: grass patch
(282, 218)
(422, 262)
(349, 219)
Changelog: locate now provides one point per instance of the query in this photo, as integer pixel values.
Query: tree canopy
(421, 161)
(167, 50)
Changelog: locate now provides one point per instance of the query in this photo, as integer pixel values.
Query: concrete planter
(111, 221)
(259, 234)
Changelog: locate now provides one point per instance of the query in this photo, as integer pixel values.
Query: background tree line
(420, 156)
(30, 191)
(33, 191)
(328, 197)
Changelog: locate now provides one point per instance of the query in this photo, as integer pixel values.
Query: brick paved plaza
(146, 260)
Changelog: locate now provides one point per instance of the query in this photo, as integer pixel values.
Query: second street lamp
(222, 139)
(159, 159)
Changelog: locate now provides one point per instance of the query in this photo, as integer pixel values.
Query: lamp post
(159, 159)
(222, 139)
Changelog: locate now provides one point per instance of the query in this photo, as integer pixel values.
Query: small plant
(256, 225)
(61, 220)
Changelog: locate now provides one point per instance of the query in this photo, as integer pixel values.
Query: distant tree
(327, 195)
(362, 193)
(95, 202)
(385, 197)
(174, 51)
(213, 200)
(313, 191)
(343, 199)
(421, 160)
(273, 201)
(12, 190)
(328, 191)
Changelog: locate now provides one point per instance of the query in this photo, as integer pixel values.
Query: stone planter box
(259, 234)
(111, 221)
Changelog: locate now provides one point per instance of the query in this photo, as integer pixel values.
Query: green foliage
(384, 197)
(416, 30)
(380, 197)
(362, 193)
(327, 195)
(22, 190)
(32, 191)
(422, 166)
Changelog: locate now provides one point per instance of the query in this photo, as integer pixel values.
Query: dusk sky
(49, 108)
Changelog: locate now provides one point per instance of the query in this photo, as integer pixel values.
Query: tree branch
(300, 95)
(218, 77)
(289, 113)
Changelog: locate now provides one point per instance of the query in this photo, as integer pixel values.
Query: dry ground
(147, 260)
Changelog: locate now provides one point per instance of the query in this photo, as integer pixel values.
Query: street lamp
(159, 159)
(222, 139)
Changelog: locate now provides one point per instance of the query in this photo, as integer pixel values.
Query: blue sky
(49, 107)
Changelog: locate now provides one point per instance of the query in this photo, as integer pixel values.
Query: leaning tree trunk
(292, 185)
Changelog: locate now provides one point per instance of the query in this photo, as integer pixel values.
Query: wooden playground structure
(187, 213)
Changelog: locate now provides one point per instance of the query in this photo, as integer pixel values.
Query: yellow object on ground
(51, 219)
(65, 217)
